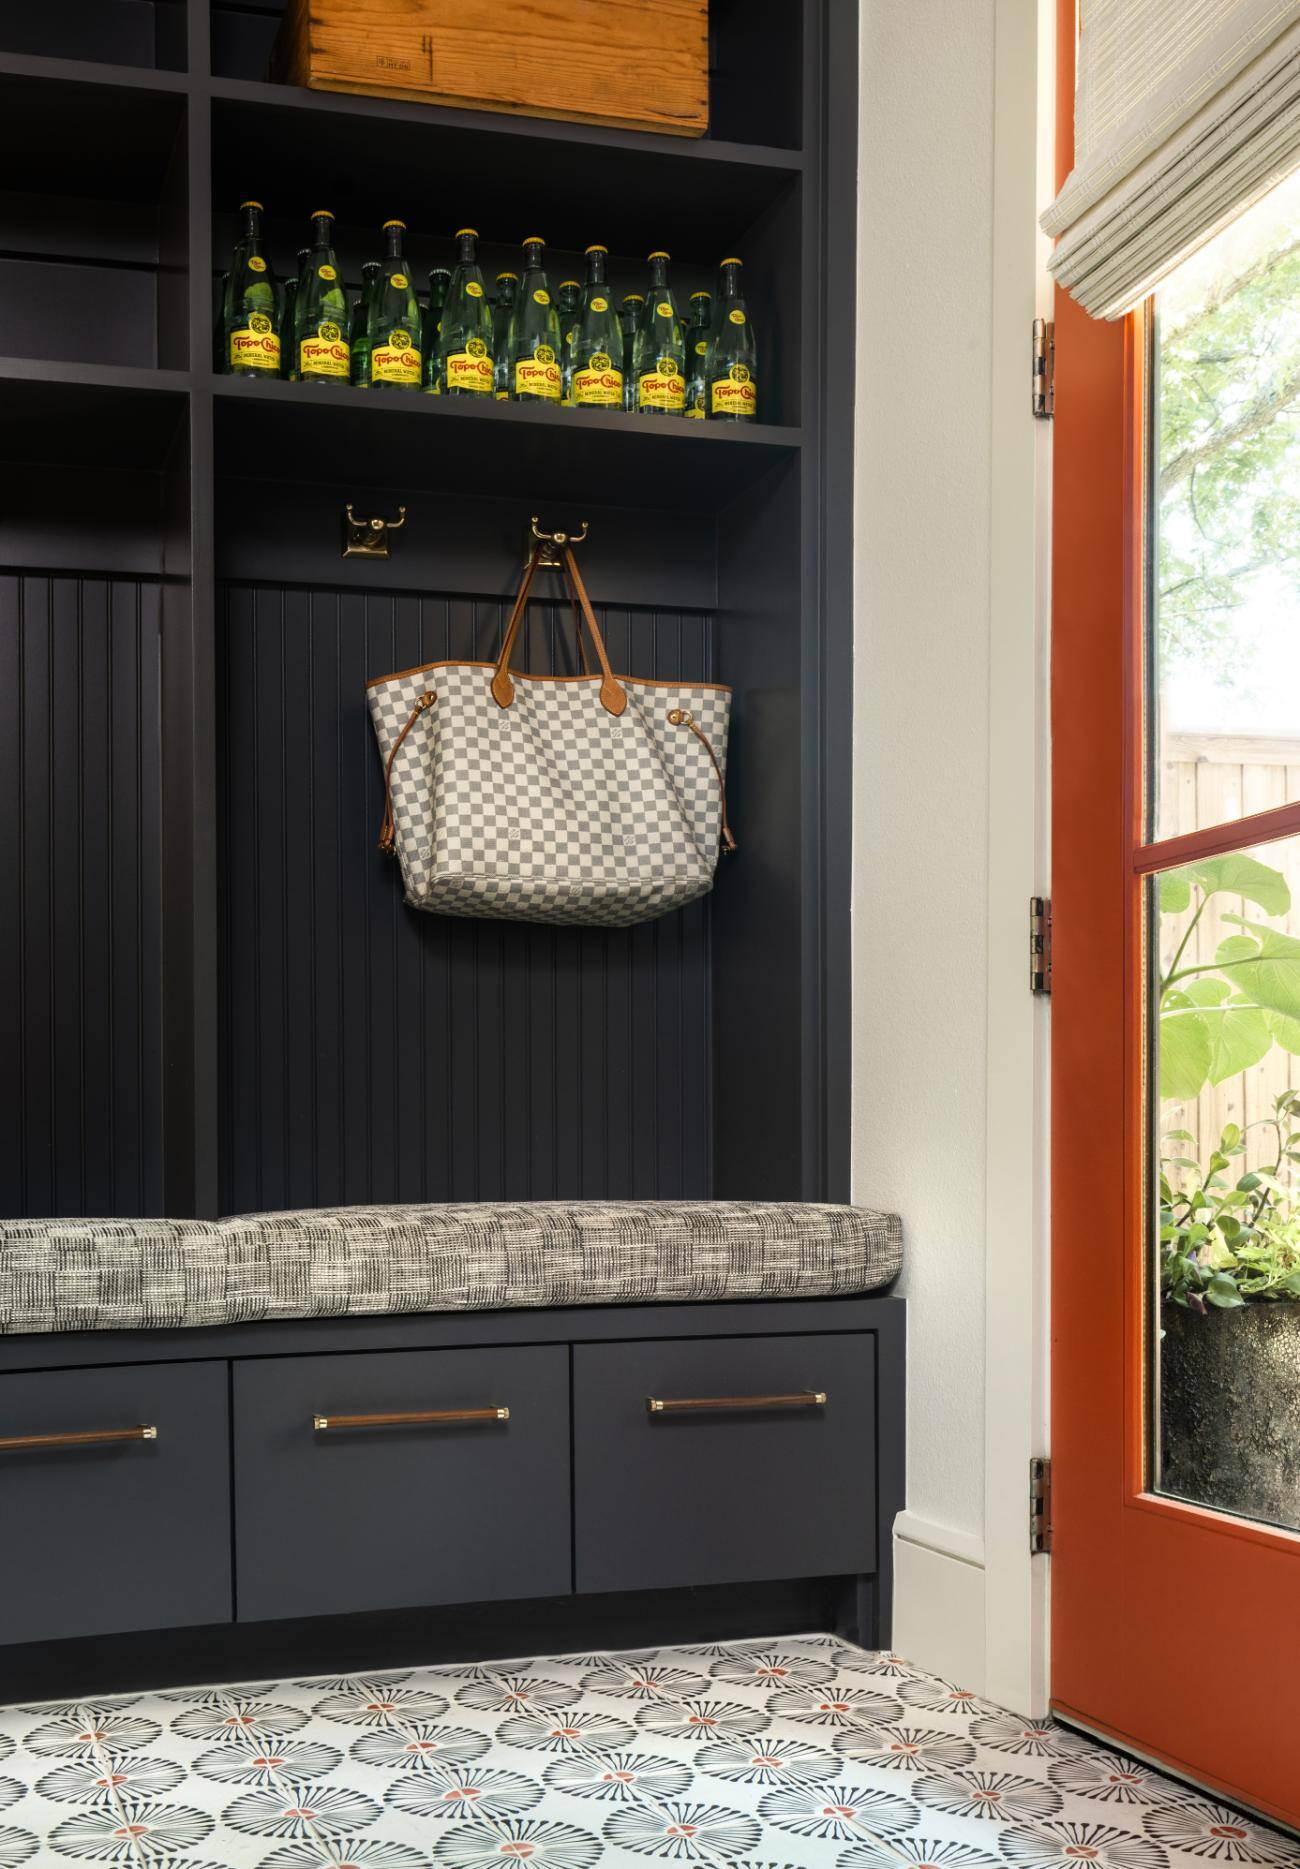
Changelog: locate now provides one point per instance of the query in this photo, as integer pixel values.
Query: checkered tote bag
(592, 798)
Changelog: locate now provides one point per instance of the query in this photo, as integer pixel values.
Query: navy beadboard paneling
(79, 919)
(373, 1053)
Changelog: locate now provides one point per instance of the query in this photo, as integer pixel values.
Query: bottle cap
(401, 224)
(533, 240)
(731, 262)
(701, 295)
(462, 231)
(507, 275)
(570, 282)
(251, 204)
(322, 214)
(634, 298)
(659, 256)
(439, 272)
(595, 249)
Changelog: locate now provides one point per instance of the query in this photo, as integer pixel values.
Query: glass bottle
(697, 350)
(659, 347)
(394, 324)
(503, 303)
(732, 362)
(370, 272)
(252, 310)
(323, 317)
(534, 343)
(596, 361)
(567, 308)
(629, 312)
(288, 300)
(439, 280)
(465, 345)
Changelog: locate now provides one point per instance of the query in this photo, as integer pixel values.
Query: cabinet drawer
(724, 1494)
(107, 1535)
(361, 1515)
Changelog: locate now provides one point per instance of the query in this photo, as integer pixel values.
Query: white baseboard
(939, 1600)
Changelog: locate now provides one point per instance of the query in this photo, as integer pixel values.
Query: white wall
(946, 822)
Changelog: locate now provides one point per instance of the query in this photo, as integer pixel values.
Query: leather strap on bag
(678, 717)
(612, 695)
(388, 829)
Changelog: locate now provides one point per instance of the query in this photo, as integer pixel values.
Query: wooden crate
(632, 64)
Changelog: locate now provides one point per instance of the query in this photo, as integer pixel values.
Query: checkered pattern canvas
(552, 809)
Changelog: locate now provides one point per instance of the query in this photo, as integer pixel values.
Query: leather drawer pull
(437, 1417)
(809, 1398)
(90, 1437)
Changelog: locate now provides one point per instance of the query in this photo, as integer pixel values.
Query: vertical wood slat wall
(288, 1037)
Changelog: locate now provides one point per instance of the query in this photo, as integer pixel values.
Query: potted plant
(1229, 1230)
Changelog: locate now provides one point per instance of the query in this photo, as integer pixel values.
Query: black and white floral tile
(802, 1753)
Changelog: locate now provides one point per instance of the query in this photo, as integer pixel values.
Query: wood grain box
(628, 64)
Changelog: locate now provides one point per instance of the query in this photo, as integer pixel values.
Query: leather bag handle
(613, 697)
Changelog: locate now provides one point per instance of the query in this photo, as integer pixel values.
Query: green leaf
(1223, 1292)
(1239, 1037)
(1285, 1030)
(1185, 1054)
(1175, 892)
(1270, 976)
(1231, 1137)
(1239, 875)
(1179, 1135)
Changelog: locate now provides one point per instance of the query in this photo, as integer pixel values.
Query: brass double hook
(552, 561)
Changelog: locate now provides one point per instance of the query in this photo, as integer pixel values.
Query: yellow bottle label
(599, 305)
(736, 315)
(663, 388)
(541, 297)
(474, 289)
(399, 280)
(701, 347)
(256, 347)
(539, 375)
(327, 353)
(465, 370)
(397, 361)
(257, 264)
(664, 309)
(328, 272)
(599, 386)
(696, 409)
(736, 393)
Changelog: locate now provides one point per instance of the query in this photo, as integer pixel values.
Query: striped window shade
(1185, 112)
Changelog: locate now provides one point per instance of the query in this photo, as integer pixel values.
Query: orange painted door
(1176, 858)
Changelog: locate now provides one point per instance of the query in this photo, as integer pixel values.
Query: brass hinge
(1040, 944)
(1040, 1505)
(1044, 384)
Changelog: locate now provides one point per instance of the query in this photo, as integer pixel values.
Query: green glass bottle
(465, 346)
(394, 325)
(568, 305)
(629, 312)
(659, 347)
(697, 350)
(370, 272)
(288, 319)
(439, 280)
(534, 344)
(597, 347)
(252, 309)
(323, 317)
(503, 303)
(732, 362)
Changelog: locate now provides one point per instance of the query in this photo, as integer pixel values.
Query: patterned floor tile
(797, 1753)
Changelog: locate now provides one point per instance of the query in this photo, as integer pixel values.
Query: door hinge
(1044, 384)
(1040, 944)
(1040, 1505)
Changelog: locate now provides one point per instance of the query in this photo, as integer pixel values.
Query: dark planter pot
(1230, 1409)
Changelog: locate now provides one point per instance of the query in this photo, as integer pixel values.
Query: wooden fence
(1205, 779)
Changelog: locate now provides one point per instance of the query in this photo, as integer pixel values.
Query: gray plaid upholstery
(552, 810)
(357, 1261)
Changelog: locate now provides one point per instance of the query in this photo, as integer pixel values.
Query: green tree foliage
(1228, 475)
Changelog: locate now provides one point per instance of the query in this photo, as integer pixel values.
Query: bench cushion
(58, 1275)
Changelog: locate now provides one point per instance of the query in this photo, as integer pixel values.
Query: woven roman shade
(1185, 112)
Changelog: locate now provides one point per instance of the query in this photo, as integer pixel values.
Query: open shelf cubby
(219, 1000)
